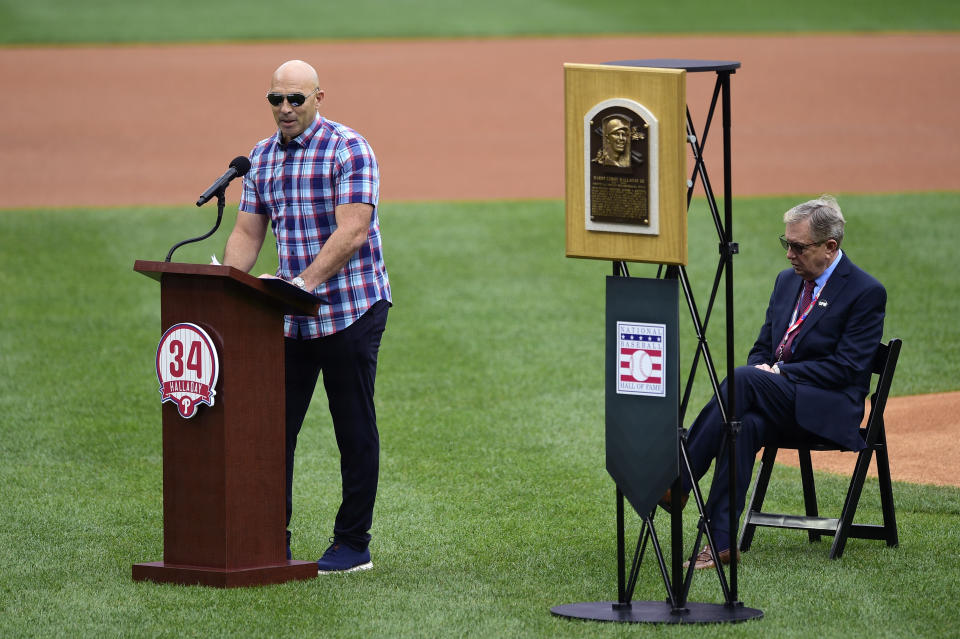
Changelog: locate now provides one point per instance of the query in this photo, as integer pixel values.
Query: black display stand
(676, 609)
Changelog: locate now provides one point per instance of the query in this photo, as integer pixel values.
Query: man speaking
(317, 183)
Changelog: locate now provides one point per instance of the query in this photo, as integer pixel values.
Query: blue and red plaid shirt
(299, 185)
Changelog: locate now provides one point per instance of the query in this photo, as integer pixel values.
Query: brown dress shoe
(705, 558)
(666, 501)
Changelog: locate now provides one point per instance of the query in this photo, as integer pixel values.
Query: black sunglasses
(797, 247)
(295, 99)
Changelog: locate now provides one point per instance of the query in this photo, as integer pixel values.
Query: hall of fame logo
(187, 367)
(641, 349)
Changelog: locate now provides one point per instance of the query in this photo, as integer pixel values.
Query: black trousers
(348, 361)
(765, 405)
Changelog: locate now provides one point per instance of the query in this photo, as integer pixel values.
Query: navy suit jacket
(833, 350)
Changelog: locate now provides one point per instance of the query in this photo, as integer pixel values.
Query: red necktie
(786, 354)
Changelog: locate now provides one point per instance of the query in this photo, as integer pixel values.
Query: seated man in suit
(808, 373)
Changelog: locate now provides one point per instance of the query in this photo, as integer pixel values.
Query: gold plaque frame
(660, 96)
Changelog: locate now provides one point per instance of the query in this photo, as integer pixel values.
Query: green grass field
(494, 503)
(90, 21)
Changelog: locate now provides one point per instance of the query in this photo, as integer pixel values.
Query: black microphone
(238, 168)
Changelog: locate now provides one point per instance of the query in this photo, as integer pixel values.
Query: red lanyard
(796, 322)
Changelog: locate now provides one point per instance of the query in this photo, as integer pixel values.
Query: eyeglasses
(295, 99)
(796, 246)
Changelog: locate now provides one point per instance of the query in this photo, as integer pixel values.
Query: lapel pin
(823, 303)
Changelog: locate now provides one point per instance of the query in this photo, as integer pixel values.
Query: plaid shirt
(299, 185)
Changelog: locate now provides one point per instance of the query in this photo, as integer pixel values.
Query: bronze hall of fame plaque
(620, 143)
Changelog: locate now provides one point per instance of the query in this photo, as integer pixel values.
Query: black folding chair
(874, 435)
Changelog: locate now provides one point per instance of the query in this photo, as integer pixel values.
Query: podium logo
(640, 366)
(187, 367)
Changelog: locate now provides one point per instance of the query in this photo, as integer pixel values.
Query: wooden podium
(224, 468)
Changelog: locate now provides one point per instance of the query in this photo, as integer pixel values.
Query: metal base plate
(657, 612)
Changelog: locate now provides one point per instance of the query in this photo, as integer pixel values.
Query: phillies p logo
(187, 367)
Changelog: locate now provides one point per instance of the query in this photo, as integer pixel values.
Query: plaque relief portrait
(617, 133)
(621, 181)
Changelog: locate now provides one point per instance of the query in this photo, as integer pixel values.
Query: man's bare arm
(243, 245)
(353, 226)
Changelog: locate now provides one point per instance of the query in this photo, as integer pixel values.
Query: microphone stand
(221, 201)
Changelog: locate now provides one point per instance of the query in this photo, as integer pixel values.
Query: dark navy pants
(764, 405)
(348, 361)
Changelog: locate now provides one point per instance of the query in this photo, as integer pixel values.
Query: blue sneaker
(341, 558)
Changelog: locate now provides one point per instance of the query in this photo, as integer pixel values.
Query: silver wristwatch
(299, 283)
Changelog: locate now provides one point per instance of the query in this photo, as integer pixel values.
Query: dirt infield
(482, 119)
(476, 119)
(921, 438)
